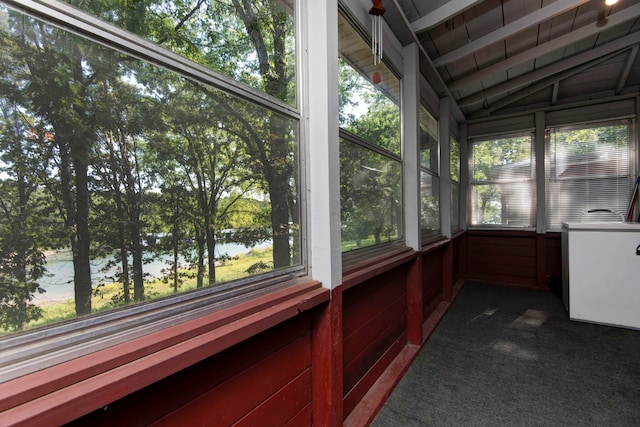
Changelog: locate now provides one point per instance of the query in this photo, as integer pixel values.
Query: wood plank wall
(519, 258)
(432, 264)
(241, 386)
(374, 331)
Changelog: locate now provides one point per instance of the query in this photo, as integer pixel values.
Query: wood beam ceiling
(443, 13)
(556, 8)
(558, 43)
(574, 61)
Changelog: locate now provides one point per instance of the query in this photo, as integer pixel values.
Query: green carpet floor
(511, 357)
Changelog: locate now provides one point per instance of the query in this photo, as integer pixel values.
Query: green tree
(58, 74)
(23, 219)
(495, 163)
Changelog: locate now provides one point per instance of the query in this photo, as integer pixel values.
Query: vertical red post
(541, 261)
(326, 362)
(447, 272)
(414, 302)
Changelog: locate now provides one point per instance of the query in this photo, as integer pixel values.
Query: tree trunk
(211, 250)
(200, 247)
(81, 235)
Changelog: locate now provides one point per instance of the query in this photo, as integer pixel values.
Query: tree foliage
(111, 156)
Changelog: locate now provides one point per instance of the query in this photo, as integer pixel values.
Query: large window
(429, 176)
(123, 181)
(250, 41)
(590, 172)
(370, 164)
(502, 183)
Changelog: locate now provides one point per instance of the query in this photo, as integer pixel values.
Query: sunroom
(256, 212)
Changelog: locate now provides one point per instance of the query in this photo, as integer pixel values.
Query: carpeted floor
(511, 357)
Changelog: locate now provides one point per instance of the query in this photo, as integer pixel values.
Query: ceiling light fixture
(610, 2)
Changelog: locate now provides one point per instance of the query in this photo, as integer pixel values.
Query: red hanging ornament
(375, 78)
(377, 8)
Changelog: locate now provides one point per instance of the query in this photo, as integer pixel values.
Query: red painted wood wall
(432, 285)
(374, 331)
(518, 258)
(245, 385)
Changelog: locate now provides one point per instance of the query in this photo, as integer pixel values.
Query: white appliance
(601, 273)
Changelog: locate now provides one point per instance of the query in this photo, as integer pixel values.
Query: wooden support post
(326, 362)
(414, 302)
(447, 272)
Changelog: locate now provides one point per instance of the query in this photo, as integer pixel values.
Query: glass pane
(251, 41)
(428, 141)
(454, 148)
(502, 188)
(123, 182)
(502, 159)
(455, 206)
(370, 196)
(367, 109)
(430, 204)
(509, 204)
(589, 168)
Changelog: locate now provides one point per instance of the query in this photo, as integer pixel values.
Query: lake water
(58, 283)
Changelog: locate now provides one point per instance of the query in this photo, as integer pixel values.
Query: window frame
(357, 255)
(531, 180)
(434, 172)
(354, 256)
(44, 347)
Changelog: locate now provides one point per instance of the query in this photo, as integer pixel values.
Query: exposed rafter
(543, 84)
(574, 36)
(532, 19)
(443, 13)
(622, 80)
(552, 69)
(554, 94)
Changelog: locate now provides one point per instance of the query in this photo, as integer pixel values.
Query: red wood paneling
(302, 418)
(505, 257)
(357, 393)
(72, 389)
(431, 279)
(554, 255)
(358, 342)
(374, 322)
(414, 302)
(294, 397)
(457, 264)
(223, 388)
(369, 298)
(233, 399)
(326, 346)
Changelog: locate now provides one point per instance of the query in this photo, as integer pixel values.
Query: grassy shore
(108, 296)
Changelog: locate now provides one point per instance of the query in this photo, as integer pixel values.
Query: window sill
(66, 391)
(435, 244)
(362, 271)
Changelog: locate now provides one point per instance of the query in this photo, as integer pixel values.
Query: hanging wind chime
(376, 13)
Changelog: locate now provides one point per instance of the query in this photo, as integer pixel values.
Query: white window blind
(590, 172)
